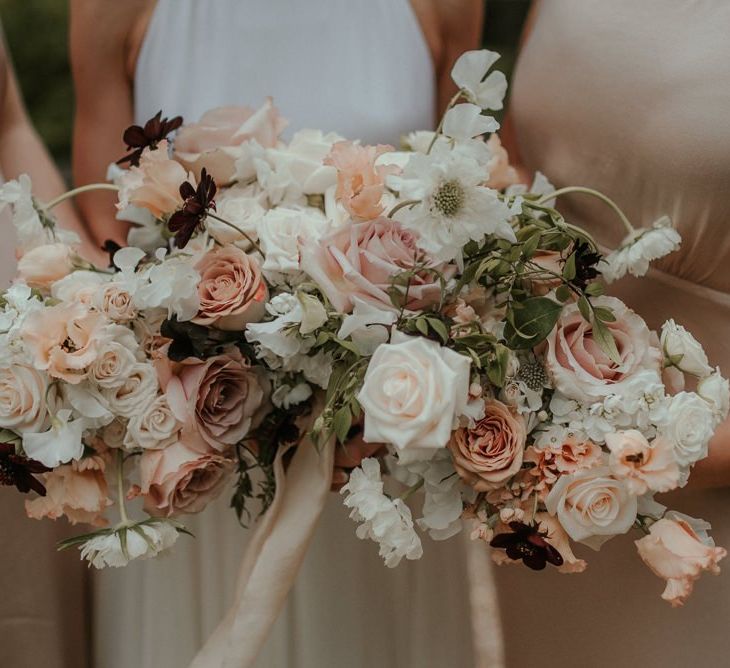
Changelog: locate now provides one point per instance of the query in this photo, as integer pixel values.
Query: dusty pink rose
(78, 491)
(490, 452)
(217, 399)
(501, 173)
(642, 465)
(674, 551)
(360, 260)
(178, 479)
(578, 366)
(42, 266)
(231, 289)
(64, 339)
(360, 184)
(155, 184)
(214, 142)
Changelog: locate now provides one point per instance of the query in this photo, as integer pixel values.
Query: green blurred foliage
(37, 35)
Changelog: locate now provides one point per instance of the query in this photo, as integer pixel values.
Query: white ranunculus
(682, 350)
(465, 121)
(60, 444)
(154, 428)
(112, 366)
(413, 392)
(141, 541)
(689, 427)
(715, 390)
(22, 399)
(136, 393)
(592, 506)
(469, 74)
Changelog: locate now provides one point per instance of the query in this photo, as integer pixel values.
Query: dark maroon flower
(528, 544)
(20, 471)
(111, 247)
(139, 138)
(586, 259)
(196, 204)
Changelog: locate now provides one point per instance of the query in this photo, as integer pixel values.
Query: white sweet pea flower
(470, 75)
(640, 248)
(442, 505)
(683, 351)
(139, 541)
(367, 326)
(60, 444)
(465, 121)
(715, 390)
(172, 285)
(285, 396)
(89, 403)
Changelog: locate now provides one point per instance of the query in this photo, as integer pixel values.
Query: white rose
(715, 390)
(414, 390)
(22, 399)
(592, 506)
(112, 366)
(153, 428)
(682, 350)
(244, 211)
(689, 427)
(136, 393)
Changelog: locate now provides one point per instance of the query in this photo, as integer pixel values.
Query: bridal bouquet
(417, 306)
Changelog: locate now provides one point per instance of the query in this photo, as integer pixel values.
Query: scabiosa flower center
(532, 374)
(449, 198)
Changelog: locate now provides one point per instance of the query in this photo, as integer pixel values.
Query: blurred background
(36, 33)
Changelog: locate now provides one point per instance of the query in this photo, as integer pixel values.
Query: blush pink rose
(214, 142)
(178, 479)
(361, 259)
(42, 266)
(642, 465)
(231, 289)
(217, 400)
(360, 184)
(155, 184)
(578, 366)
(490, 452)
(674, 551)
(501, 173)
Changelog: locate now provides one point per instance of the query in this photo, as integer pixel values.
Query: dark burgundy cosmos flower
(528, 544)
(111, 247)
(20, 471)
(196, 204)
(139, 138)
(586, 260)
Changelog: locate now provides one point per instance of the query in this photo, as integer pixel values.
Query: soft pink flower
(501, 173)
(64, 339)
(178, 479)
(361, 259)
(579, 367)
(42, 266)
(214, 142)
(360, 184)
(490, 452)
(155, 184)
(217, 400)
(675, 552)
(231, 289)
(642, 465)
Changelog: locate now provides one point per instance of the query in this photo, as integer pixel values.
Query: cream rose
(154, 428)
(240, 207)
(22, 399)
(115, 301)
(689, 427)
(643, 466)
(136, 393)
(112, 366)
(44, 265)
(232, 291)
(178, 479)
(578, 366)
(682, 350)
(490, 452)
(413, 391)
(592, 506)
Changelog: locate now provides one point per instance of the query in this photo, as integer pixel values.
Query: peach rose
(44, 265)
(232, 291)
(642, 465)
(578, 366)
(490, 452)
(501, 173)
(214, 142)
(178, 479)
(64, 339)
(78, 491)
(115, 301)
(674, 550)
(155, 184)
(217, 400)
(361, 259)
(360, 184)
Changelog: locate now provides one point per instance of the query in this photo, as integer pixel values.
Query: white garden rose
(153, 428)
(22, 399)
(414, 390)
(592, 506)
(112, 366)
(116, 302)
(682, 350)
(689, 427)
(715, 390)
(242, 209)
(136, 393)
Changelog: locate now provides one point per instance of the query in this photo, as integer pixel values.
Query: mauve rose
(490, 452)
(217, 400)
(214, 142)
(579, 367)
(360, 260)
(178, 479)
(231, 289)
(44, 265)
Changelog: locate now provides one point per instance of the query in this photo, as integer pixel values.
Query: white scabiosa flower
(470, 75)
(117, 547)
(640, 248)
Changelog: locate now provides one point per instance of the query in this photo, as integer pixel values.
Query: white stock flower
(465, 121)
(140, 541)
(640, 248)
(689, 427)
(715, 390)
(470, 75)
(682, 350)
(60, 444)
(153, 428)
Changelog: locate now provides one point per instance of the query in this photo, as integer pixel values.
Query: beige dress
(633, 98)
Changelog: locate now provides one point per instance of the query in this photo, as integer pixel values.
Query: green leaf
(585, 308)
(440, 328)
(422, 326)
(563, 293)
(569, 268)
(531, 324)
(341, 423)
(603, 337)
(594, 289)
(604, 314)
(530, 246)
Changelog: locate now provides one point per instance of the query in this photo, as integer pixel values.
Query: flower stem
(402, 205)
(78, 191)
(595, 193)
(120, 487)
(412, 490)
(436, 134)
(239, 230)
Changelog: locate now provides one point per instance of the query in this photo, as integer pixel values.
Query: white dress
(361, 68)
